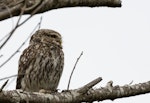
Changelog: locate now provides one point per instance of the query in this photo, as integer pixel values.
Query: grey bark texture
(11, 8)
(83, 94)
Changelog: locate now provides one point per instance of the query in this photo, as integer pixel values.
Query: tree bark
(11, 8)
(83, 94)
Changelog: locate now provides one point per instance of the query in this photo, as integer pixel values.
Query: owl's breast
(45, 70)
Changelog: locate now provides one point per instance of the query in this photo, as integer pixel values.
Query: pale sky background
(115, 42)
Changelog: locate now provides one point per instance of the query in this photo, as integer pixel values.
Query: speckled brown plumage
(41, 64)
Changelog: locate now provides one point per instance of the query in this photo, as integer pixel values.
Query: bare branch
(73, 70)
(18, 25)
(13, 30)
(8, 77)
(74, 96)
(3, 85)
(85, 88)
(37, 26)
(54, 4)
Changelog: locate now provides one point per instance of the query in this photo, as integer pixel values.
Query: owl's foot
(47, 91)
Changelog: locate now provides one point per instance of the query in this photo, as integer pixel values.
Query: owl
(41, 64)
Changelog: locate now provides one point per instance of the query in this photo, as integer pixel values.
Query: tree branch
(36, 27)
(76, 95)
(15, 6)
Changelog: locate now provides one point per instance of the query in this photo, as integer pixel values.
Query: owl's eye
(53, 36)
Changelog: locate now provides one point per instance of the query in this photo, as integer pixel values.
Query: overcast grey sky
(115, 42)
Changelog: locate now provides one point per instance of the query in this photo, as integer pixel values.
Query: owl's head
(46, 36)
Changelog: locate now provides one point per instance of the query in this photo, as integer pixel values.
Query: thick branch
(11, 8)
(104, 93)
(76, 96)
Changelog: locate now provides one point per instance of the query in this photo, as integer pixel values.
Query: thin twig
(8, 77)
(34, 12)
(15, 75)
(3, 85)
(8, 9)
(10, 82)
(40, 23)
(18, 25)
(37, 26)
(13, 30)
(73, 70)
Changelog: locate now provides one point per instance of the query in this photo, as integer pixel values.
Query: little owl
(41, 64)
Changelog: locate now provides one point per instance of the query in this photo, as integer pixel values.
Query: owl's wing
(26, 58)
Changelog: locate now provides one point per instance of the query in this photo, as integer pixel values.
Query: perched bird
(41, 64)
